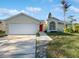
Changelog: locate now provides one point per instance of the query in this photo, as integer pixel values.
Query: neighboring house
(2, 26)
(54, 24)
(22, 24)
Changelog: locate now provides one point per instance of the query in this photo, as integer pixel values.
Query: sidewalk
(42, 45)
(44, 38)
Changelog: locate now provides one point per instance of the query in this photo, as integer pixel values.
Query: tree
(72, 19)
(65, 5)
(49, 15)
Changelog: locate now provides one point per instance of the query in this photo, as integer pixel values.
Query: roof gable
(21, 18)
(21, 14)
(56, 19)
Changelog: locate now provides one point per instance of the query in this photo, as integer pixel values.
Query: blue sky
(37, 8)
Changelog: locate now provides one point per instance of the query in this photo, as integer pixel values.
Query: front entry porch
(52, 26)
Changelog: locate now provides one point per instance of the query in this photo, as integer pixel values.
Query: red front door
(41, 27)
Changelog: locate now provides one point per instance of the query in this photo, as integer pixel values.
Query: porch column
(56, 26)
(48, 26)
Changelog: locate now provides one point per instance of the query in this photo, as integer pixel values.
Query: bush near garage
(2, 33)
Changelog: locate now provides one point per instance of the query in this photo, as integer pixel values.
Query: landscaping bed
(63, 45)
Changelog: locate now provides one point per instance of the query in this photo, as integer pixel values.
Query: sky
(38, 8)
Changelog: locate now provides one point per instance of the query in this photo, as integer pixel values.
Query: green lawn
(63, 45)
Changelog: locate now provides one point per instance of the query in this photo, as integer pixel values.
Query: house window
(52, 26)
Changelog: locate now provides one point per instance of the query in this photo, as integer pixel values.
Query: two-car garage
(22, 28)
(22, 24)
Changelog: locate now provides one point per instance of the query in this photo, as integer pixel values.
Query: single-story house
(22, 24)
(54, 24)
(2, 26)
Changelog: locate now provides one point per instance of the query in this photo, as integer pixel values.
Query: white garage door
(23, 28)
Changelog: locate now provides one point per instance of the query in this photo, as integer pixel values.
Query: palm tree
(65, 5)
(72, 19)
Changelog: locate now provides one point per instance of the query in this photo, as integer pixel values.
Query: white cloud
(76, 0)
(33, 9)
(24, 11)
(4, 11)
(57, 9)
(10, 12)
(74, 9)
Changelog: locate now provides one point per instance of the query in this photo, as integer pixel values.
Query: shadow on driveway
(22, 48)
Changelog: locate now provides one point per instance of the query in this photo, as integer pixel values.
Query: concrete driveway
(18, 46)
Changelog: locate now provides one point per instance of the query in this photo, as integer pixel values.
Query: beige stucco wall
(20, 19)
(44, 25)
(60, 27)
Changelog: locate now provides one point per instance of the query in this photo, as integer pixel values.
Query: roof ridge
(21, 13)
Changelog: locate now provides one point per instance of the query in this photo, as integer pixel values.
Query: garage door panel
(23, 28)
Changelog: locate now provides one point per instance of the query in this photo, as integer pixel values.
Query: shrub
(2, 32)
(38, 34)
(65, 30)
(76, 27)
(68, 30)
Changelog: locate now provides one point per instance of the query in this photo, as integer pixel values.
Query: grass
(63, 45)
